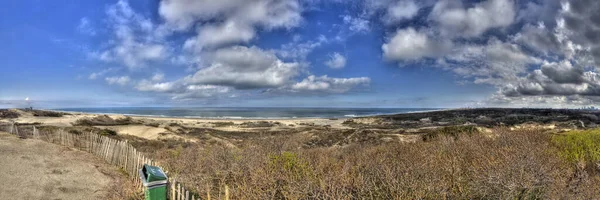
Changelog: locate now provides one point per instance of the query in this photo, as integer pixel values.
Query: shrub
(451, 131)
(580, 147)
(74, 131)
(258, 124)
(153, 124)
(108, 132)
(222, 124)
(5, 113)
(45, 113)
(104, 120)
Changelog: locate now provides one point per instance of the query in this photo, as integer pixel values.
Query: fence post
(226, 192)
(172, 191)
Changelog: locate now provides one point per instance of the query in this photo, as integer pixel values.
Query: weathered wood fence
(116, 152)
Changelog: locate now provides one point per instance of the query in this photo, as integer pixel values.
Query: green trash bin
(154, 181)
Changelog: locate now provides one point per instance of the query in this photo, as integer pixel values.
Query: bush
(580, 147)
(45, 113)
(153, 124)
(108, 132)
(258, 124)
(5, 113)
(222, 124)
(74, 131)
(104, 120)
(451, 131)
(510, 165)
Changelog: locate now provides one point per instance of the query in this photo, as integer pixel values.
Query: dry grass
(104, 120)
(9, 114)
(506, 164)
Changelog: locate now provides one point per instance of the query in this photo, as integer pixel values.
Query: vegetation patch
(47, 113)
(107, 132)
(104, 120)
(581, 147)
(222, 124)
(259, 124)
(450, 131)
(8, 114)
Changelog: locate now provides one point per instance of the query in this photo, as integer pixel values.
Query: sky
(300, 53)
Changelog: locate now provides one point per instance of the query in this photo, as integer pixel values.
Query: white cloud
(328, 85)
(158, 76)
(356, 24)
(136, 39)
(336, 61)
(85, 27)
(202, 91)
(494, 63)
(231, 21)
(120, 80)
(457, 21)
(179, 90)
(401, 10)
(409, 44)
(245, 68)
(299, 50)
(95, 75)
(230, 32)
(149, 86)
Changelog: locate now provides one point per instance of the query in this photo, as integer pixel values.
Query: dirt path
(33, 169)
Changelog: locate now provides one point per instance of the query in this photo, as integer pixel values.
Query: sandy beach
(157, 127)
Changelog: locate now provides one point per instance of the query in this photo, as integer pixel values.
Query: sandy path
(33, 169)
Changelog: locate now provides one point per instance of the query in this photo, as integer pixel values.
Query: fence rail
(115, 152)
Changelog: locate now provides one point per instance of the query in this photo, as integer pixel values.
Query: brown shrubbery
(104, 120)
(500, 165)
(5, 113)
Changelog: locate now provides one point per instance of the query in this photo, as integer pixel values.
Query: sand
(33, 169)
(148, 132)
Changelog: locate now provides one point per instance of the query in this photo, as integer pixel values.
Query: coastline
(244, 118)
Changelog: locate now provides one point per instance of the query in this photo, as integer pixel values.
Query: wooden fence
(115, 152)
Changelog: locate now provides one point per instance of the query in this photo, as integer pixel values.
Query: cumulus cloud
(299, 50)
(180, 90)
(401, 10)
(494, 63)
(229, 21)
(456, 20)
(336, 61)
(119, 80)
(135, 42)
(410, 44)
(241, 67)
(356, 24)
(328, 85)
(539, 38)
(553, 78)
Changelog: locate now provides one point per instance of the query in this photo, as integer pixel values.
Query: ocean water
(246, 113)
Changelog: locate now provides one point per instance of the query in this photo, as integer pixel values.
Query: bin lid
(154, 173)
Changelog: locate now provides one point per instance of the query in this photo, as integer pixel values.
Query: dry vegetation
(104, 120)
(9, 114)
(454, 163)
(444, 155)
(46, 113)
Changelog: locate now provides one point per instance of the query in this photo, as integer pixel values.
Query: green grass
(581, 146)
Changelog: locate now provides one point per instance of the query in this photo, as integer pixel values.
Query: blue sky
(317, 53)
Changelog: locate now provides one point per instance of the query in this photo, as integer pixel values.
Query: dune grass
(453, 163)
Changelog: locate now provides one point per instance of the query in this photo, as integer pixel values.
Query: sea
(246, 112)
